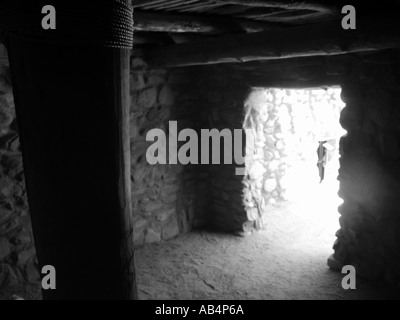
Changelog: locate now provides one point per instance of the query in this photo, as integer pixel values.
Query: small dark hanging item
(322, 157)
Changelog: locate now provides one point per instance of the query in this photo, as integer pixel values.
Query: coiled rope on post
(78, 22)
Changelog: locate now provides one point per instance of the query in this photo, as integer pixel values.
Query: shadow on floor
(286, 260)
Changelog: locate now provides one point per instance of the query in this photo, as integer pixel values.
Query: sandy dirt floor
(287, 260)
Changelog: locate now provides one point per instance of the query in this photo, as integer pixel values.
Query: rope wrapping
(106, 23)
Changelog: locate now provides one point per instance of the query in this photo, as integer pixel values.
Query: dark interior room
(200, 150)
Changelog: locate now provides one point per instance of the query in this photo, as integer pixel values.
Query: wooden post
(72, 106)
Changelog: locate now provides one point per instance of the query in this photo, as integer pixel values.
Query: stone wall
(222, 96)
(370, 152)
(167, 199)
(215, 100)
(369, 237)
(369, 172)
(225, 95)
(18, 264)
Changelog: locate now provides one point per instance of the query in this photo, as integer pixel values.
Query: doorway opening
(292, 162)
(287, 259)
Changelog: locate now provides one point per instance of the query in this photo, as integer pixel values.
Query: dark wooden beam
(292, 5)
(327, 38)
(325, 81)
(181, 4)
(295, 16)
(162, 22)
(195, 23)
(143, 37)
(302, 72)
(72, 106)
(142, 3)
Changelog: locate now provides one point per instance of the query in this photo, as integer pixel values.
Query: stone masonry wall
(369, 177)
(216, 99)
(166, 198)
(18, 264)
(369, 237)
(222, 97)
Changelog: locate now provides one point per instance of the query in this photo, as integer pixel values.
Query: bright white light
(317, 201)
(287, 128)
(315, 114)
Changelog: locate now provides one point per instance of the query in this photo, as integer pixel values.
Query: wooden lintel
(195, 23)
(328, 38)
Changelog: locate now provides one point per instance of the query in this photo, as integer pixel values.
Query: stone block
(6, 187)
(169, 189)
(165, 214)
(335, 264)
(351, 93)
(340, 250)
(155, 80)
(152, 236)
(350, 119)
(145, 99)
(25, 255)
(139, 223)
(6, 115)
(9, 226)
(156, 115)
(166, 96)
(5, 248)
(139, 148)
(8, 277)
(32, 272)
(270, 185)
(256, 171)
(170, 198)
(23, 238)
(152, 206)
(252, 214)
(176, 169)
(137, 82)
(171, 229)
(138, 237)
(138, 63)
(3, 52)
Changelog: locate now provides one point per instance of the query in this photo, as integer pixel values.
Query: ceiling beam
(194, 23)
(327, 38)
(292, 5)
(299, 5)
